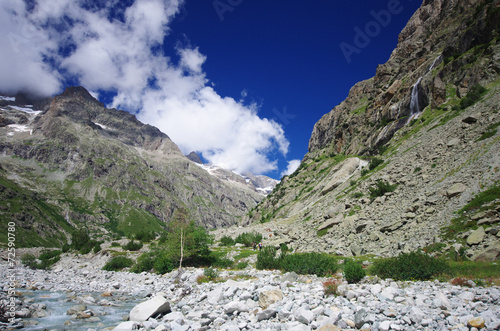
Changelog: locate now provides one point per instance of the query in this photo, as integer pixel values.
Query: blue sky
(242, 82)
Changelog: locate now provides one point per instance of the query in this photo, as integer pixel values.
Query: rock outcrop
(427, 123)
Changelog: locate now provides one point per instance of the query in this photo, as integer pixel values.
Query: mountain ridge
(101, 169)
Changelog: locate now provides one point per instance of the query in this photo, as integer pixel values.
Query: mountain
(68, 162)
(411, 158)
(258, 183)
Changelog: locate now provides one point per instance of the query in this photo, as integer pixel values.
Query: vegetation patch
(353, 271)
(118, 263)
(381, 187)
(410, 266)
(44, 261)
(320, 264)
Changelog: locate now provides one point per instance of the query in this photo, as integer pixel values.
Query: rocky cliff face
(447, 47)
(430, 116)
(76, 163)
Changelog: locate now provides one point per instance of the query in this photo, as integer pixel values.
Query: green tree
(186, 240)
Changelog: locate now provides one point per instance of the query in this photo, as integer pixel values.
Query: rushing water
(58, 303)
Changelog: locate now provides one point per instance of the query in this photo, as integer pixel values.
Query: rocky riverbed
(88, 298)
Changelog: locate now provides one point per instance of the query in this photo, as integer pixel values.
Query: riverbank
(241, 300)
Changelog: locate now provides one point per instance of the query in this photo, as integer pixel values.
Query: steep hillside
(389, 168)
(75, 163)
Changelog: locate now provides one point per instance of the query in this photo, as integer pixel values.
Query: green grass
(474, 270)
(490, 131)
(462, 223)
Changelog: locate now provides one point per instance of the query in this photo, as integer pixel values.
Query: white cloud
(24, 46)
(117, 55)
(292, 166)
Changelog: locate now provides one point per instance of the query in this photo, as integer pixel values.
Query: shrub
(472, 96)
(266, 259)
(66, 247)
(145, 262)
(145, 236)
(29, 260)
(163, 264)
(331, 286)
(375, 162)
(118, 263)
(353, 272)
(97, 248)
(410, 266)
(223, 262)
(132, 246)
(211, 273)
(320, 264)
(79, 239)
(248, 238)
(381, 187)
(115, 244)
(227, 241)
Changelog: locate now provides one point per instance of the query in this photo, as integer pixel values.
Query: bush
(472, 96)
(97, 248)
(132, 246)
(222, 262)
(330, 286)
(80, 239)
(211, 273)
(227, 241)
(66, 247)
(248, 238)
(163, 264)
(145, 236)
(145, 262)
(29, 260)
(320, 264)
(375, 162)
(47, 259)
(266, 259)
(115, 244)
(382, 187)
(353, 272)
(410, 266)
(118, 263)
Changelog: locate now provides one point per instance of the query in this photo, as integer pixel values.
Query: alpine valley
(410, 159)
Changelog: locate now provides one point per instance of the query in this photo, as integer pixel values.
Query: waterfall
(414, 102)
(434, 63)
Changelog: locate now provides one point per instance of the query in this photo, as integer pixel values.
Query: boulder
(345, 171)
(476, 237)
(126, 326)
(235, 306)
(492, 253)
(476, 322)
(147, 309)
(304, 316)
(331, 222)
(455, 189)
(267, 298)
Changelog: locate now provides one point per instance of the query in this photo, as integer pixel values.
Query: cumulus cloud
(292, 166)
(107, 46)
(24, 47)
